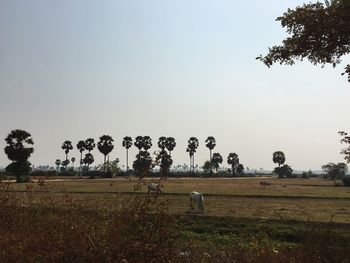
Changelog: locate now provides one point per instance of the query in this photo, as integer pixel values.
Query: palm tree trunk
(127, 160)
(233, 171)
(104, 163)
(210, 155)
(81, 158)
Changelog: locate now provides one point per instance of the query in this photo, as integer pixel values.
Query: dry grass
(303, 199)
(241, 186)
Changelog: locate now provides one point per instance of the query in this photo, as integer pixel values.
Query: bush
(99, 174)
(346, 181)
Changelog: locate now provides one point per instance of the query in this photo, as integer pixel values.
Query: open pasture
(302, 199)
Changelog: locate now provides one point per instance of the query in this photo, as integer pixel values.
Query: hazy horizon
(70, 70)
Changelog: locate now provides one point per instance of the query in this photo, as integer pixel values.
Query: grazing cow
(284, 185)
(197, 198)
(154, 187)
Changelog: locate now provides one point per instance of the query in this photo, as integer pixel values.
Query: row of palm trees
(144, 143)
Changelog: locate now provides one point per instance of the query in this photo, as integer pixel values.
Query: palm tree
(147, 143)
(88, 159)
(210, 143)
(73, 161)
(105, 146)
(279, 158)
(170, 144)
(127, 143)
(67, 146)
(58, 163)
(233, 160)
(190, 152)
(216, 161)
(139, 142)
(192, 148)
(81, 146)
(89, 144)
(162, 143)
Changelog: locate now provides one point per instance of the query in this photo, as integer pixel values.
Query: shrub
(346, 181)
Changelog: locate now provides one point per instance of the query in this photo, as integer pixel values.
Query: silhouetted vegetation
(318, 31)
(18, 150)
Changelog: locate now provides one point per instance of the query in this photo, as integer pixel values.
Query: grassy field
(314, 199)
(241, 220)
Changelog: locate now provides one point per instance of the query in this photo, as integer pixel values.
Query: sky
(70, 70)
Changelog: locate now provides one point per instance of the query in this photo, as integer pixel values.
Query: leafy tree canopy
(18, 147)
(319, 32)
(216, 160)
(335, 171)
(346, 140)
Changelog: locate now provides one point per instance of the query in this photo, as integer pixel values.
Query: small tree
(284, 171)
(143, 164)
(335, 171)
(208, 167)
(18, 150)
(240, 169)
(346, 140)
(164, 161)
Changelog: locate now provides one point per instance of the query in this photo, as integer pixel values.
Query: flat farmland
(314, 199)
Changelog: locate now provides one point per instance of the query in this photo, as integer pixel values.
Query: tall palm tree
(233, 160)
(279, 158)
(190, 152)
(81, 146)
(210, 143)
(170, 144)
(105, 146)
(162, 143)
(67, 146)
(90, 144)
(127, 143)
(139, 142)
(192, 148)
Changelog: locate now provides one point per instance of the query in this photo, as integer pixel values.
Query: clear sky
(78, 69)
